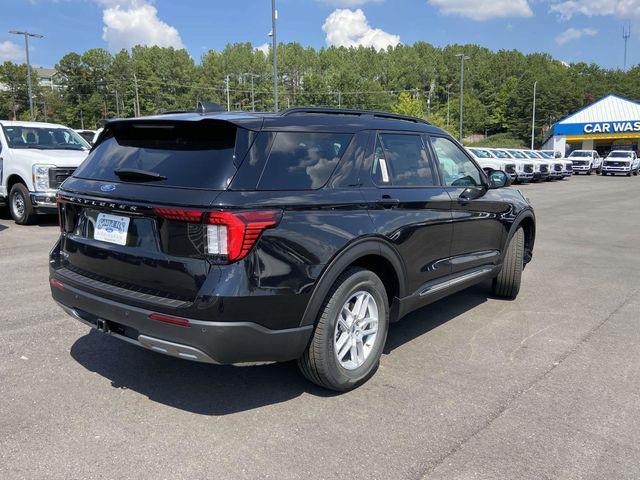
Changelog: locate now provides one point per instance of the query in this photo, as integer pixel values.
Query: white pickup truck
(586, 161)
(35, 158)
(621, 161)
(488, 161)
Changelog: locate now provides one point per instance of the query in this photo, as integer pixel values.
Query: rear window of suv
(183, 154)
(302, 161)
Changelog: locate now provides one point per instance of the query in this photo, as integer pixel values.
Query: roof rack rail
(347, 111)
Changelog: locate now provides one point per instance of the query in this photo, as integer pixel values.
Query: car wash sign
(598, 128)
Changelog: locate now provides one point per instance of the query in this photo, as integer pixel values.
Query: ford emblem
(108, 188)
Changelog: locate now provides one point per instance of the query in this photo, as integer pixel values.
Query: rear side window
(302, 161)
(402, 161)
(183, 154)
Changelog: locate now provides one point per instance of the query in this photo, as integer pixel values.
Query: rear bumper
(209, 342)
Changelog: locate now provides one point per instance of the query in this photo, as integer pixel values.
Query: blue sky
(570, 30)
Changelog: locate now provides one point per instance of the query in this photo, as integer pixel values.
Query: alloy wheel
(356, 330)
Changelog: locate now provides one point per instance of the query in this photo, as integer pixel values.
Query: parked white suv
(488, 161)
(586, 161)
(524, 167)
(35, 158)
(621, 161)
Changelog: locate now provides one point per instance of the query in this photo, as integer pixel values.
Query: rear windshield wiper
(135, 174)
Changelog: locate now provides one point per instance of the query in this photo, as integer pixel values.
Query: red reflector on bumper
(56, 284)
(168, 319)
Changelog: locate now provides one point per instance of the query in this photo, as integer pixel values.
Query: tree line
(418, 79)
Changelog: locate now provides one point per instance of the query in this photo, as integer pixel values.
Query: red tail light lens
(228, 235)
(169, 319)
(59, 285)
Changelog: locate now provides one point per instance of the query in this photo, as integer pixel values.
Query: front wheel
(589, 171)
(507, 283)
(20, 205)
(345, 349)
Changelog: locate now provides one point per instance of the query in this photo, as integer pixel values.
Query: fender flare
(525, 214)
(348, 255)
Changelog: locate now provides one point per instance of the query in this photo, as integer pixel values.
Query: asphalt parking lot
(547, 386)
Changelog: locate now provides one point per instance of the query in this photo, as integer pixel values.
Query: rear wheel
(507, 283)
(20, 205)
(345, 349)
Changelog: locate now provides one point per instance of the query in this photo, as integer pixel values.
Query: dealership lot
(471, 387)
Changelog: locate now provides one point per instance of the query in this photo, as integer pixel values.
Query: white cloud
(350, 28)
(11, 52)
(128, 23)
(349, 3)
(571, 34)
(567, 9)
(484, 9)
(264, 48)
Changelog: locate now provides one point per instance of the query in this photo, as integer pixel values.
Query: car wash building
(611, 123)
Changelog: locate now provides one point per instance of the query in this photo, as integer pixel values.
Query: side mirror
(499, 179)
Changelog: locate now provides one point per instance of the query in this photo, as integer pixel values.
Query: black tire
(319, 363)
(604, 174)
(20, 205)
(589, 171)
(507, 283)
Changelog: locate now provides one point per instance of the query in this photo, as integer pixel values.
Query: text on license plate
(111, 228)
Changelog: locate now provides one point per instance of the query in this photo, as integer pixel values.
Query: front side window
(42, 138)
(456, 167)
(402, 161)
(302, 161)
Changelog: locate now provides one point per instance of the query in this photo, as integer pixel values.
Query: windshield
(517, 154)
(580, 153)
(619, 155)
(545, 155)
(500, 154)
(531, 154)
(44, 138)
(480, 153)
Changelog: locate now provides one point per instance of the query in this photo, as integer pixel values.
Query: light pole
(533, 120)
(226, 82)
(462, 57)
(26, 47)
(274, 48)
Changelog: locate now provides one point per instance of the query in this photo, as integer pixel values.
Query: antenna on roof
(209, 107)
(626, 33)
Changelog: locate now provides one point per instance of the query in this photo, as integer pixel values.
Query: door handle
(387, 202)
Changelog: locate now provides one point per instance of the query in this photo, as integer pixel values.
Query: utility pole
(448, 107)
(462, 57)
(626, 33)
(339, 99)
(26, 47)
(226, 82)
(137, 104)
(274, 48)
(253, 98)
(533, 120)
(117, 105)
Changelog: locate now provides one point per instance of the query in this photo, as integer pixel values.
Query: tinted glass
(580, 154)
(457, 169)
(402, 161)
(302, 161)
(192, 156)
(620, 155)
(517, 154)
(500, 154)
(480, 153)
(44, 138)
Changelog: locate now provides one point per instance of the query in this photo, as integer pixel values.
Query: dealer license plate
(111, 228)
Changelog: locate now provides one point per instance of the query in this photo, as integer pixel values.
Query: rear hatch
(131, 214)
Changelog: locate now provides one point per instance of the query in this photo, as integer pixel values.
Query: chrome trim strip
(455, 281)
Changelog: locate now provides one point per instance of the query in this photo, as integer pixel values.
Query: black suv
(241, 237)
